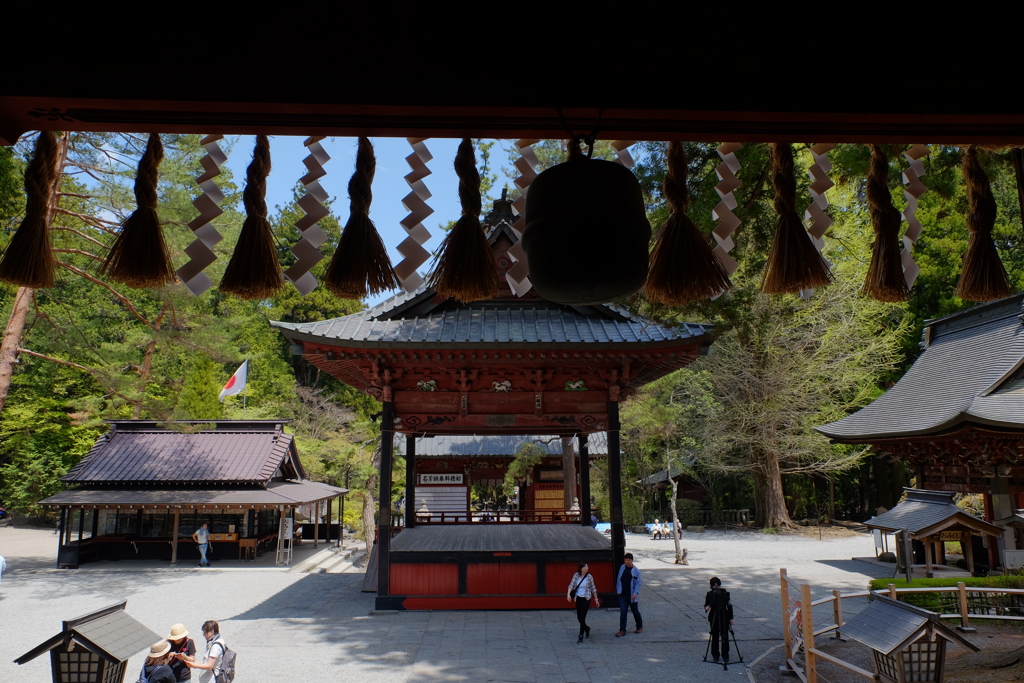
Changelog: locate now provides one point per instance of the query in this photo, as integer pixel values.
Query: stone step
(351, 565)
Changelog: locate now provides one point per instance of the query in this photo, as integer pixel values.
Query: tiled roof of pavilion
(400, 321)
(142, 452)
(971, 373)
(922, 512)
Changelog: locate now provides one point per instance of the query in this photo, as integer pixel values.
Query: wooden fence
(799, 631)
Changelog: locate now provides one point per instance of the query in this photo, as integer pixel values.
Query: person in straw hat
(183, 649)
(156, 670)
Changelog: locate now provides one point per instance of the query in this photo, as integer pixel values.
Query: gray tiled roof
(133, 457)
(922, 510)
(889, 625)
(109, 632)
(528, 322)
(276, 493)
(966, 375)
(118, 634)
(883, 626)
(492, 445)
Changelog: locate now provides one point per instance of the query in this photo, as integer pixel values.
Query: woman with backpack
(581, 591)
(215, 659)
(156, 669)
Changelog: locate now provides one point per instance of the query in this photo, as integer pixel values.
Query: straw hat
(159, 648)
(178, 632)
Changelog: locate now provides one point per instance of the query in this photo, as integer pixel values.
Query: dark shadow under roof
(501, 445)
(969, 373)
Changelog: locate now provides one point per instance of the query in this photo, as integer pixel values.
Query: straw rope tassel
(307, 250)
(983, 277)
(885, 280)
(723, 211)
(139, 256)
(465, 267)
(411, 248)
(820, 221)
(518, 276)
(253, 271)
(683, 267)
(200, 252)
(913, 189)
(360, 265)
(793, 261)
(28, 260)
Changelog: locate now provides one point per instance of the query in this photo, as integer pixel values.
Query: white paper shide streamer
(518, 276)
(411, 248)
(913, 190)
(723, 211)
(622, 155)
(200, 252)
(307, 250)
(819, 221)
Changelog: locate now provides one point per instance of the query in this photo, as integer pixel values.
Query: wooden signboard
(950, 535)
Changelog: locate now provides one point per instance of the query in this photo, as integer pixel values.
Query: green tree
(198, 399)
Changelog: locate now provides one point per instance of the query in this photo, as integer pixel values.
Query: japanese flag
(236, 384)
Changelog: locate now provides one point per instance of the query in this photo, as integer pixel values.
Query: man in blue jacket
(628, 587)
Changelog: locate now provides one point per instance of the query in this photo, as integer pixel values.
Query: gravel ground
(292, 626)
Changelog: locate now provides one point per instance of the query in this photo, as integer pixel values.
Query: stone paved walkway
(288, 626)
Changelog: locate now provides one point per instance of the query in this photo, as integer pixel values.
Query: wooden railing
(955, 602)
(723, 517)
(501, 517)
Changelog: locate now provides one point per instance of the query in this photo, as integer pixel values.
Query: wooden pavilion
(507, 366)
(957, 414)
(932, 519)
(146, 486)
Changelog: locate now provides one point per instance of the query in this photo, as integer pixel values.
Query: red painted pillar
(585, 511)
(387, 442)
(615, 486)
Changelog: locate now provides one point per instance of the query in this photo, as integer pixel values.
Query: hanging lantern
(587, 232)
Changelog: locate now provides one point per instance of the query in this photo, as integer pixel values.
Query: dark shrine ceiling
(655, 75)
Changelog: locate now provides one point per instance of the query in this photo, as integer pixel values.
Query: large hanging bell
(587, 233)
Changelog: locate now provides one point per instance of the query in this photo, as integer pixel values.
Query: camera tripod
(725, 660)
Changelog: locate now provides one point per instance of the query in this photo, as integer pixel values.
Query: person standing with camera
(718, 606)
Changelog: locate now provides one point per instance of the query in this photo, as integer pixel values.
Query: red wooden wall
(425, 579)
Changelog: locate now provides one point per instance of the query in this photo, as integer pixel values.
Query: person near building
(718, 606)
(627, 585)
(581, 591)
(202, 538)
